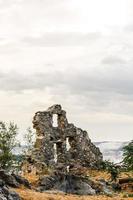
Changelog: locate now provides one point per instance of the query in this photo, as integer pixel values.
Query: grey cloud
(93, 92)
(129, 28)
(85, 83)
(13, 81)
(8, 3)
(117, 81)
(63, 39)
(113, 60)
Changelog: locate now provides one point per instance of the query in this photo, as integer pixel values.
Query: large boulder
(13, 180)
(8, 179)
(21, 180)
(6, 194)
(70, 184)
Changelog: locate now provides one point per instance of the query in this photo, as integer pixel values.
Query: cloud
(76, 82)
(72, 52)
(113, 60)
(129, 28)
(20, 18)
(63, 39)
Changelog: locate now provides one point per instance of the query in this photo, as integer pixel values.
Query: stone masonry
(65, 145)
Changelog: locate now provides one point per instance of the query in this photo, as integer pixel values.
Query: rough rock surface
(66, 149)
(67, 183)
(64, 145)
(74, 184)
(13, 180)
(6, 194)
(8, 179)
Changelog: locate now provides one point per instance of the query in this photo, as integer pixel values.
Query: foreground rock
(13, 180)
(66, 183)
(6, 194)
(74, 184)
(8, 179)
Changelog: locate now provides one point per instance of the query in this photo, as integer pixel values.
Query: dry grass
(32, 178)
(96, 174)
(126, 174)
(27, 194)
(32, 195)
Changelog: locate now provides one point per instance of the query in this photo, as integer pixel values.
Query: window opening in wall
(67, 144)
(55, 153)
(55, 120)
(68, 168)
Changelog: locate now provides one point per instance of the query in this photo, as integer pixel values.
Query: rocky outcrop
(74, 184)
(66, 183)
(13, 180)
(65, 148)
(64, 144)
(6, 194)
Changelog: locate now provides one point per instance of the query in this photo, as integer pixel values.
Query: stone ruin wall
(61, 146)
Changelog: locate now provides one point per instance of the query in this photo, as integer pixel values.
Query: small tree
(111, 168)
(128, 155)
(29, 139)
(8, 142)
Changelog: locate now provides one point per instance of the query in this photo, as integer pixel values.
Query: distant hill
(111, 150)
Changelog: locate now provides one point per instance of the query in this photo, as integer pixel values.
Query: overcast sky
(78, 53)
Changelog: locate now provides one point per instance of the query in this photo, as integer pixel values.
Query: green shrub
(8, 142)
(128, 156)
(111, 168)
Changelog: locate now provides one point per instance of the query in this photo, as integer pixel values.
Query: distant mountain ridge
(111, 150)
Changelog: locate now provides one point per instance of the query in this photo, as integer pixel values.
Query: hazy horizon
(74, 53)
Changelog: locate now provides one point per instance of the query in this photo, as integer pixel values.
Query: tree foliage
(128, 156)
(8, 133)
(111, 168)
(29, 138)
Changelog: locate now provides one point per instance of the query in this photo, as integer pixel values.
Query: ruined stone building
(62, 144)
